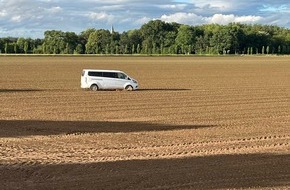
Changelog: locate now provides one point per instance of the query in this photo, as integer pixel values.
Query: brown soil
(195, 123)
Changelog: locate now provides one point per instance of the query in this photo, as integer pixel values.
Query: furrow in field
(65, 154)
(93, 156)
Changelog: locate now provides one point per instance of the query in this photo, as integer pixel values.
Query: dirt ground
(195, 123)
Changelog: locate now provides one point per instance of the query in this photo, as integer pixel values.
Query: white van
(107, 79)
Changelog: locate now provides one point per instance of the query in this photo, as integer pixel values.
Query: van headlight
(135, 81)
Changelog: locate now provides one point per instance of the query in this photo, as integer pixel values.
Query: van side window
(121, 76)
(110, 75)
(95, 74)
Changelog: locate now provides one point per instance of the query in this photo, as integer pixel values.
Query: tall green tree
(154, 33)
(202, 44)
(221, 41)
(71, 40)
(185, 38)
(134, 38)
(20, 43)
(84, 37)
(125, 43)
(54, 42)
(98, 41)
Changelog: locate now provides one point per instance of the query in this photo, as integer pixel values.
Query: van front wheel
(94, 87)
(129, 88)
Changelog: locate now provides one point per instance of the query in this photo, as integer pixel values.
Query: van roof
(102, 70)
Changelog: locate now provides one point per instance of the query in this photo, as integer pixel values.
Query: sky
(31, 18)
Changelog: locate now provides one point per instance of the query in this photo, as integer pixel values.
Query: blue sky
(30, 18)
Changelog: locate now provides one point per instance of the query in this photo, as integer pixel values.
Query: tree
(107, 51)
(98, 41)
(71, 40)
(169, 41)
(237, 37)
(134, 38)
(57, 42)
(15, 47)
(54, 42)
(20, 43)
(267, 50)
(138, 49)
(125, 43)
(221, 41)
(79, 49)
(133, 49)
(185, 38)
(202, 44)
(6, 47)
(154, 32)
(26, 46)
(1, 45)
(84, 36)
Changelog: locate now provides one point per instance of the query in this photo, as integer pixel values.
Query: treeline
(158, 37)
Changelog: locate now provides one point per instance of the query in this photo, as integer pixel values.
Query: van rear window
(95, 74)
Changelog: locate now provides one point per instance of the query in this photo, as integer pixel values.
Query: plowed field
(195, 123)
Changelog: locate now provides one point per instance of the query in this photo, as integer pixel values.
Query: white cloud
(3, 13)
(142, 20)
(101, 16)
(56, 9)
(216, 4)
(112, 8)
(183, 18)
(280, 8)
(16, 18)
(193, 19)
(226, 19)
(174, 7)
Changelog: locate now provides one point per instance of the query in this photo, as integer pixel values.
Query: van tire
(94, 87)
(129, 88)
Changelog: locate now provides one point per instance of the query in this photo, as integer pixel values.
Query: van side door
(110, 80)
(121, 80)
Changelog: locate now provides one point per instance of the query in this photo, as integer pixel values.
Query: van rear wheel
(129, 88)
(94, 87)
